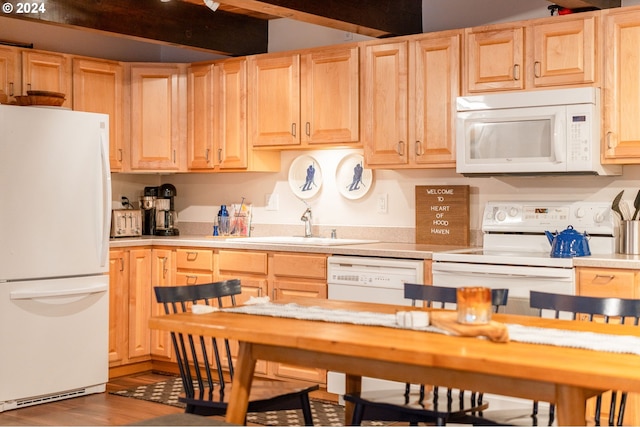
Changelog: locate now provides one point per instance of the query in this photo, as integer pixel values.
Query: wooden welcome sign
(442, 214)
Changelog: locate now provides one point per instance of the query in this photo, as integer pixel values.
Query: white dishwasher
(368, 279)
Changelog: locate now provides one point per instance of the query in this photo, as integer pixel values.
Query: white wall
(199, 195)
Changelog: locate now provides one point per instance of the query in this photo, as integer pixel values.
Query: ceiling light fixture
(213, 5)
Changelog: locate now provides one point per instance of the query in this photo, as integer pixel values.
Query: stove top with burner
(514, 232)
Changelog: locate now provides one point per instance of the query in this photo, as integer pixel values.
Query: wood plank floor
(102, 409)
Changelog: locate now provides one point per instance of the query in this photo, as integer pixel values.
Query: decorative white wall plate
(305, 177)
(352, 179)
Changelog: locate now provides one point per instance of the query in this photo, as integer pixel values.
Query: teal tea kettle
(568, 243)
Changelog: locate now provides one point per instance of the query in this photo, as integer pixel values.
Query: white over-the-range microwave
(535, 132)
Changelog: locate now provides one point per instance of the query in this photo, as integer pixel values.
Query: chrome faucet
(306, 217)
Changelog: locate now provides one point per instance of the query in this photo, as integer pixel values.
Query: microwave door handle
(560, 141)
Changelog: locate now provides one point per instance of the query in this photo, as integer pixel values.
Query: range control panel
(532, 216)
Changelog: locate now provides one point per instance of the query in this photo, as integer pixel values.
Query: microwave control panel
(580, 134)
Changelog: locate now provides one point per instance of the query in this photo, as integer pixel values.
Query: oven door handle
(513, 272)
(501, 275)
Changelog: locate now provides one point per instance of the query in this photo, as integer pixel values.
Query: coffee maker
(148, 207)
(166, 216)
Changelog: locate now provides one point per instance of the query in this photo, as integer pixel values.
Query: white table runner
(519, 333)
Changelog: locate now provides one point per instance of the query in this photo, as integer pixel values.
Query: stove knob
(599, 217)
(501, 215)
(580, 213)
(513, 212)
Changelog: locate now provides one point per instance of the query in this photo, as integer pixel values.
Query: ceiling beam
(174, 23)
(578, 4)
(374, 18)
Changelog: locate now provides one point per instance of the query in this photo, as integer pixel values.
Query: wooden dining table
(561, 375)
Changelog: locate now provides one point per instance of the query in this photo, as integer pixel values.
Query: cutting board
(442, 214)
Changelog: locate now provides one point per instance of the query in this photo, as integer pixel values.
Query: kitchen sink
(299, 240)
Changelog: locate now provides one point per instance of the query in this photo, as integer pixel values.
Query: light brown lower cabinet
(163, 273)
(278, 275)
(134, 272)
(130, 306)
(618, 283)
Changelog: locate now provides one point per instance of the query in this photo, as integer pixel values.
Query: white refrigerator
(55, 195)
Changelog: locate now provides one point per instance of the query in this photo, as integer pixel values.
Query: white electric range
(516, 253)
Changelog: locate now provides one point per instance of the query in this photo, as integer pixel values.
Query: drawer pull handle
(192, 280)
(192, 256)
(604, 277)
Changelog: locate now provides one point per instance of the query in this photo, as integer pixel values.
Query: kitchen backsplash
(199, 197)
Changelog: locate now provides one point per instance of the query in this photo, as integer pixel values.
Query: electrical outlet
(382, 203)
(271, 202)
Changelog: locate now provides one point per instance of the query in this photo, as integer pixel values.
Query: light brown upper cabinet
(47, 71)
(10, 78)
(621, 103)
(408, 101)
(217, 120)
(200, 117)
(158, 117)
(98, 88)
(304, 99)
(548, 52)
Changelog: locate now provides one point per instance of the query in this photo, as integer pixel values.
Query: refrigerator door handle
(106, 199)
(52, 293)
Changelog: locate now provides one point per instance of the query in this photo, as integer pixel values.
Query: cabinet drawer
(599, 282)
(194, 259)
(243, 262)
(307, 266)
(191, 278)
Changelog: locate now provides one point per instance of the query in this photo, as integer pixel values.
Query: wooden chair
(393, 406)
(590, 308)
(200, 359)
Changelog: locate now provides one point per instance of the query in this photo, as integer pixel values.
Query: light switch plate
(382, 203)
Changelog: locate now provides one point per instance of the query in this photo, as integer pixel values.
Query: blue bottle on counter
(223, 221)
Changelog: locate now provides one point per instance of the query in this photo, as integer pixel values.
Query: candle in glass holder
(474, 305)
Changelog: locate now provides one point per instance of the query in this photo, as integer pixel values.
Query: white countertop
(379, 249)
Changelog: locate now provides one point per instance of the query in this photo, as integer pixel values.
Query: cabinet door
(436, 80)
(495, 59)
(155, 117)
(200, 117)
(118, 306)
(614, 283)
(47, 71)
(564, 52)
(385, 104)
(10, 71)
(330, 96)
(139, 304)
(163, 273)
(274, 100)
(621, 103)
(97, 88)
(232, 114)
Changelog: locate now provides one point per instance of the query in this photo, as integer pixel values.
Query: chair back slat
(193, 353)
(608, 308)
(594, 308)
(438, 296)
